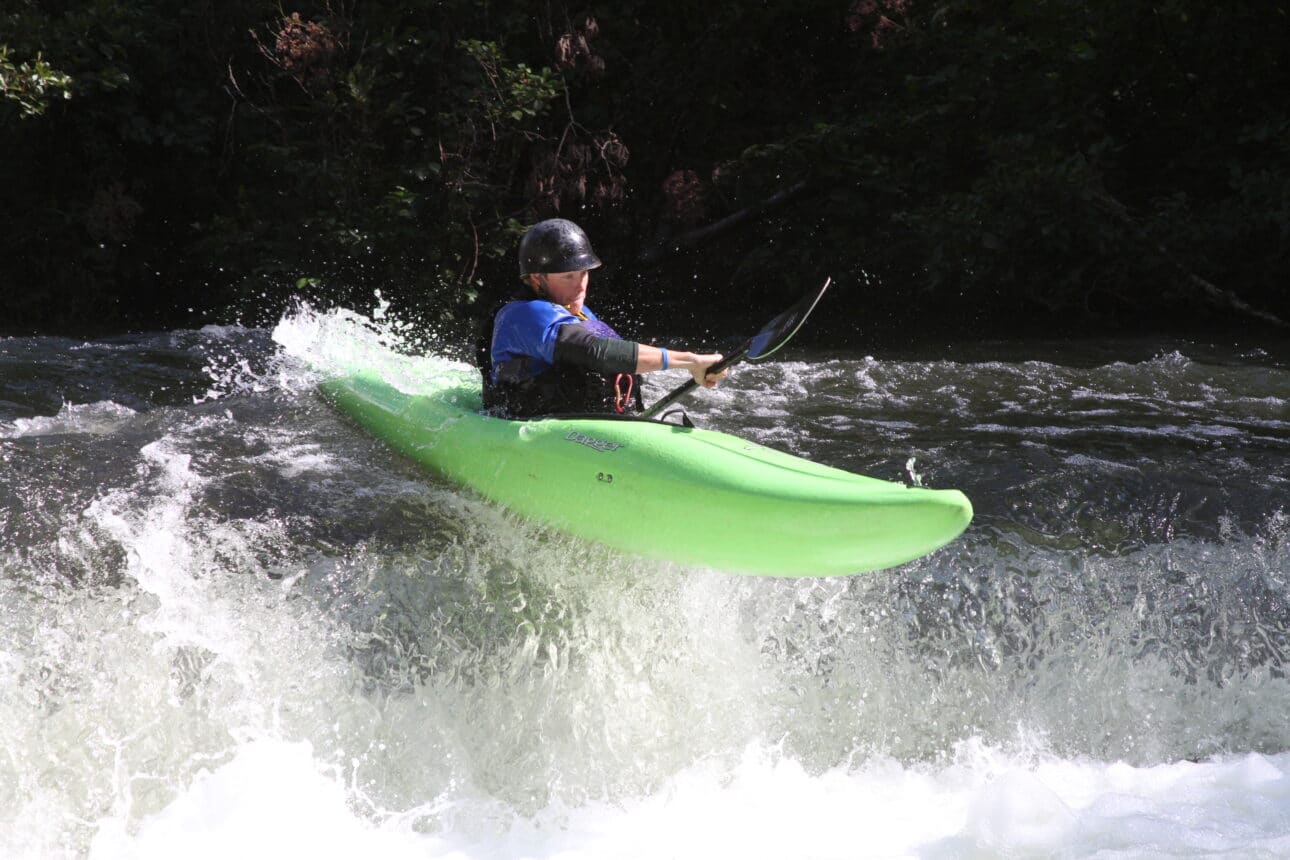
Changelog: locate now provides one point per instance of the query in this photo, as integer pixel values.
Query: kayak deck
(660, 490)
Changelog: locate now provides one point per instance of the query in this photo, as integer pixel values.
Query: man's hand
(699, 370)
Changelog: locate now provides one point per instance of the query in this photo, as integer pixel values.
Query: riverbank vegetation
(1019, 167)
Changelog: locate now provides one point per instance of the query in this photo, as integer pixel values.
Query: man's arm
(575, 345)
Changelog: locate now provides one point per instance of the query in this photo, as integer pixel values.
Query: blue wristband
(664, 351)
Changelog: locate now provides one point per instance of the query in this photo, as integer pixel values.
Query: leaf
(1084, 51)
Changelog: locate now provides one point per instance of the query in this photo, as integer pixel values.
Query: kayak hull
(687, 495)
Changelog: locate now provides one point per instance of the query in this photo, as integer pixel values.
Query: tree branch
(716, 228)
(1214, 294)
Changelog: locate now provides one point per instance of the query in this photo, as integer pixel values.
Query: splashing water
(229, 622)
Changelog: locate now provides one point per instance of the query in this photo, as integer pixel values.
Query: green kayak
(659, 490)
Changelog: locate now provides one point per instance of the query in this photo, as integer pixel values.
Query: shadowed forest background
(1016, 168)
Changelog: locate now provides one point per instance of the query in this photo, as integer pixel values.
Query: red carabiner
(622, 398)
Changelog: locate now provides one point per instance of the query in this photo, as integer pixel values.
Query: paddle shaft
(766, 342)
(681, 390)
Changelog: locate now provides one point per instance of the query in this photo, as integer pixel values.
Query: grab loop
(685, 419)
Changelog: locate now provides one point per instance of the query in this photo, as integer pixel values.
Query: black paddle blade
(781, 329)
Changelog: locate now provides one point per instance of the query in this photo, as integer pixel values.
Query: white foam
(102, 418)
(318, 345)
(274, 799)
(270, 801)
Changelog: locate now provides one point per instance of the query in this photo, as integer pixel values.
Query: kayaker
(550, 354)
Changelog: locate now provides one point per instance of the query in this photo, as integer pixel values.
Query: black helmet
(556, 245)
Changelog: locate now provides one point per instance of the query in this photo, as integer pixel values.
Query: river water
(231, 623)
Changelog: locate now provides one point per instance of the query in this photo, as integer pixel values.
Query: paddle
(762, 345)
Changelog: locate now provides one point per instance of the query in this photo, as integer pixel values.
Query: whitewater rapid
(232, 624)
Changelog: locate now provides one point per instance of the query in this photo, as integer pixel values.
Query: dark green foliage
(29, 85)
(1008, 165)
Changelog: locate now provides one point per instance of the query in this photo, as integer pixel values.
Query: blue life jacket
(528, 329)
(524, 379)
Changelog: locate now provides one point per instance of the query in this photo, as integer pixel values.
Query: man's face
(566, 288)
